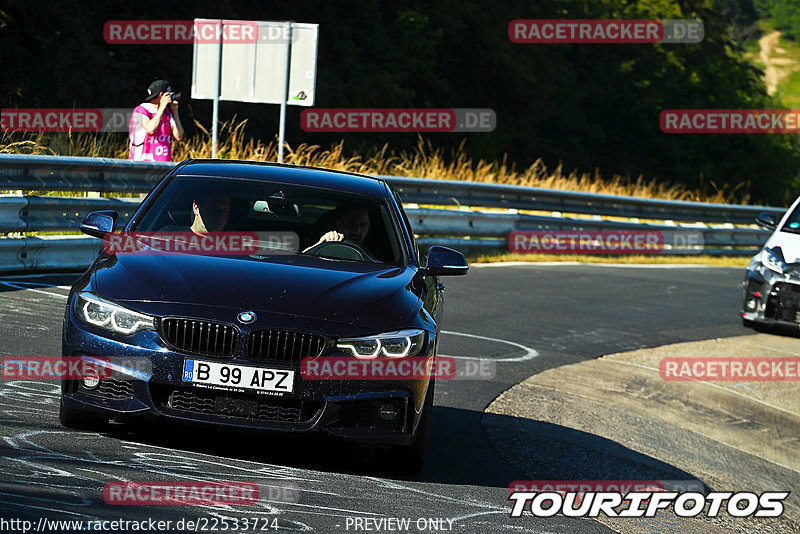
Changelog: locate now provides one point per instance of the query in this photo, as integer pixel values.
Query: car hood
(374, 296)
(789, 243)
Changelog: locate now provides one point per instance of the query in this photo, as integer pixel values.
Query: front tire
(410, 459)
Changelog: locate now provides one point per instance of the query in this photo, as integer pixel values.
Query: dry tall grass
(424, 161)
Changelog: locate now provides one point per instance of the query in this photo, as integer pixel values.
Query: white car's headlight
(105, 314)
(773, 262)
(391, 344)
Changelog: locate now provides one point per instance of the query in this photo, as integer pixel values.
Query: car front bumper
(147, 381)
(770, 298)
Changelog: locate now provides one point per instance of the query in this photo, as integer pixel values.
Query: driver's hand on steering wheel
(333, 235)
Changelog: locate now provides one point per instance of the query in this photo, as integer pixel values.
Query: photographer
(154, 123)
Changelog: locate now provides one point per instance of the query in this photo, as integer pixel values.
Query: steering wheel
(344, 250)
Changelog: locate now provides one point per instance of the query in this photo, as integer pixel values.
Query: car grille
(201, 337)
(271, 409)
(783, 303)
(110, 388)
(283, 346)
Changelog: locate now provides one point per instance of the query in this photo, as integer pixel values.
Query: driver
(352, 224)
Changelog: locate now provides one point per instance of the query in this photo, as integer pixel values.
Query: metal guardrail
(63, 214)
(48, 253)
(67, 173)
(24, 172)
(467, 229)
(56, 214)
(435, 222)
(442, 192)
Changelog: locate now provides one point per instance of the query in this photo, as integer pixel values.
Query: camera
(175, 97)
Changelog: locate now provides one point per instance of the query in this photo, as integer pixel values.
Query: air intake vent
(283, 346)
(274, 410)
(110, 388)
(200, 337)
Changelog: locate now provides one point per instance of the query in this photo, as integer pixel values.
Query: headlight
(391, 344)
(773, 262)
(102, 313)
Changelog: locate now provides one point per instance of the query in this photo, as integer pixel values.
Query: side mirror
(767, 220)
(99, 223)
(444, 261)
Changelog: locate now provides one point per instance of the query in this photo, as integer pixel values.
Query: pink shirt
(144, 146)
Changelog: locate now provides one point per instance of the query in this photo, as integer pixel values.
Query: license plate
(238, 376)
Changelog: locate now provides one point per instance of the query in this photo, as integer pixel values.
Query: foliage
(784, 14)
(593, 108)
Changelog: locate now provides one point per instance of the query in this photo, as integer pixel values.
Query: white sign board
(254, 70)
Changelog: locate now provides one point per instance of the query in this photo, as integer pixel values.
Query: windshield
(792, 223)
(287, 219)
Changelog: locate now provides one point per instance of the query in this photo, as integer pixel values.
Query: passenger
(211, 214)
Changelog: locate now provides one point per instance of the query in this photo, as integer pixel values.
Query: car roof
(288, 174)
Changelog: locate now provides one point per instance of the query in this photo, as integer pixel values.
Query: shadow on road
(459, 452)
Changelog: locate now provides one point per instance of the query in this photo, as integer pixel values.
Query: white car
(772, 282)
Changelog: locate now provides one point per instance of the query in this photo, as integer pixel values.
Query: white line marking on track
(35, 284)
(525, 263)
(15, 286)
(529, 352)
(39, 275)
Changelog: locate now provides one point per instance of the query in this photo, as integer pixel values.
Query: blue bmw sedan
(306, 268)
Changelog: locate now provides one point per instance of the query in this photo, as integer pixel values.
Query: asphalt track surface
(537, 316)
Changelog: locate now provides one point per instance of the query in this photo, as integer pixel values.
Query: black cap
(158, 86)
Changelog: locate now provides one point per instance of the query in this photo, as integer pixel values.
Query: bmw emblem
(246, 317)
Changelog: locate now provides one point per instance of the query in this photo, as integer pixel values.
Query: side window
(410, 230)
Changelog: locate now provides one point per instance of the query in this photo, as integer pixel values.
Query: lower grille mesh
(110, 388)
(783, 303)
(269, 409)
